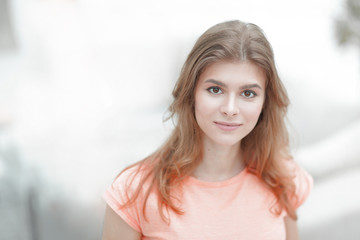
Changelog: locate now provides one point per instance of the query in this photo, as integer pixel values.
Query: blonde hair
(264, 148)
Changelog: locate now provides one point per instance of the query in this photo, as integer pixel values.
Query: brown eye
(214, 90)
(249, 94)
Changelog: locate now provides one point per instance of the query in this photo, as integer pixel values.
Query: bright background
(84, 86)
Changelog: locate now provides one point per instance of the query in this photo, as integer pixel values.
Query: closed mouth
(228, 124)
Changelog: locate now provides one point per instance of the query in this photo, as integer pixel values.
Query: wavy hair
(264, 148)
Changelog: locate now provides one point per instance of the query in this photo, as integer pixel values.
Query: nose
(230, 106)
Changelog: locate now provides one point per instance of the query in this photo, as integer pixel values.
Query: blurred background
(84, 86)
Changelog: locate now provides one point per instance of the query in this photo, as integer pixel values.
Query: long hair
(264, 148)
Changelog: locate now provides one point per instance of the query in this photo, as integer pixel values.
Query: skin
(116, 228)
(292, 232)
(226, 92)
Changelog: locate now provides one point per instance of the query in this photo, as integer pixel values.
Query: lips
(226, 126)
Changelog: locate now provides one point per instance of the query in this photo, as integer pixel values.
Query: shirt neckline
(195, 181)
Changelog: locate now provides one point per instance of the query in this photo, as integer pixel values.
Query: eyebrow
(224, 85)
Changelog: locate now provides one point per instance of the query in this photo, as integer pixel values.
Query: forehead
(234, 72)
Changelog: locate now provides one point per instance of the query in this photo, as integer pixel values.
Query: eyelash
(211, 90)
(251, 92)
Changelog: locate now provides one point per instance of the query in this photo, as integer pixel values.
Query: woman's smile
(228, 126)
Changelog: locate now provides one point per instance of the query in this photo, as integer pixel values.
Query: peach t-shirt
(238, 208)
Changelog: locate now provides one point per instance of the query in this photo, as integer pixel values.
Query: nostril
(231, 112)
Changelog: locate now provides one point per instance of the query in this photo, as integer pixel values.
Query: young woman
(225, 172)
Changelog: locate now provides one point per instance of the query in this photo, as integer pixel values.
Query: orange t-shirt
(238, 208)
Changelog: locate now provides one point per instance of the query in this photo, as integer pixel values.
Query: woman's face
(229, 97)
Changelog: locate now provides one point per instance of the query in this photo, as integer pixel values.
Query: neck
(219, 162)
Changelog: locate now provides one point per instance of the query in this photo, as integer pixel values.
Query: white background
(84, 93)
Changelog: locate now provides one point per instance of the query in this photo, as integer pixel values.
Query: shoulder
(130, 178)
(125, 195)
(302, 180)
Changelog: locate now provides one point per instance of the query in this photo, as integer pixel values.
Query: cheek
(200, 107)
(204, 105)
(252, 112)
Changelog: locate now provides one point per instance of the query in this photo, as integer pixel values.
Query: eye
(214, 90)
(248, 94)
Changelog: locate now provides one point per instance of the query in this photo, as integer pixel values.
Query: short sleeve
(117, 194)
(303, 184)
